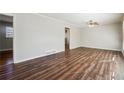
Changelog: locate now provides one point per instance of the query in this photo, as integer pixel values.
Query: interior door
(67, 39)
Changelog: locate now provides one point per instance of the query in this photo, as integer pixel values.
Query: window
(9, 32)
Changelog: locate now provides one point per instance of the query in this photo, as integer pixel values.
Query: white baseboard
(5, 49)
(26, 59)
(102, 48)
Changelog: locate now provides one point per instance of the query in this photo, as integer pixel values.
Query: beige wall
(103, 37)
(37, 36)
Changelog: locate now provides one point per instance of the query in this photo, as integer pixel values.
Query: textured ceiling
(81, 19)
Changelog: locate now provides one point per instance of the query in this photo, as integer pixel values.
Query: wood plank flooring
(78, 64)
(6, 57)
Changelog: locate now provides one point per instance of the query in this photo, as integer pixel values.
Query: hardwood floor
(79, 64)
(6, 58)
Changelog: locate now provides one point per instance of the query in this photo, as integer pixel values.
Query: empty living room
(62, 46)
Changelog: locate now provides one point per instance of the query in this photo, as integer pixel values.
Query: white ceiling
(81, 19)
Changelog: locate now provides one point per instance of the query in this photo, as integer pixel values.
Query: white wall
(104, 37)
(37, 35)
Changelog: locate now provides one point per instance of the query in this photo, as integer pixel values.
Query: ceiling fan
(92, 23)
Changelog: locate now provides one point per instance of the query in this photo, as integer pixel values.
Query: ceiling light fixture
(92, 24)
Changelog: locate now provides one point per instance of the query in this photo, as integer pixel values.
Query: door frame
(67, 39)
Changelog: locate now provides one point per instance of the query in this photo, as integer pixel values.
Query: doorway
(6, 39)
(67, 40)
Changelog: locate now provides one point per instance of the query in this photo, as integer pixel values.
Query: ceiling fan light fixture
(92, 24)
